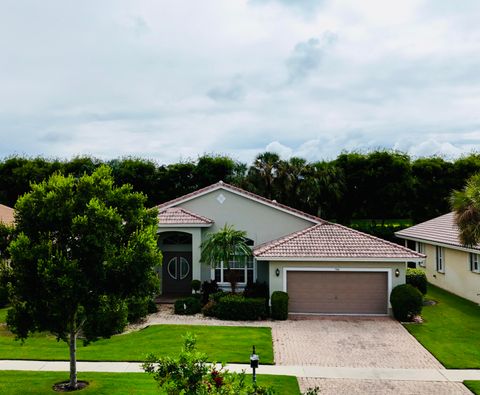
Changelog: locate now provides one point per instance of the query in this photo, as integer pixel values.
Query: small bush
(209, 310)
(152, 306)
(256, 290)
(418, 279)
(140, 307)
(215, 297)
(237, 307)
(187, 306)
(208, 288)
(190, 373)
(196, 285)
(407, 302)
(279, 305)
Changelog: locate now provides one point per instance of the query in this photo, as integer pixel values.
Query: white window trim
(420, 247)
(440, 259)
(477, 256)
(223, 283)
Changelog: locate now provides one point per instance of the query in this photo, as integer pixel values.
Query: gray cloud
(148, 78)
(232, 91)
(305, 6)
(307, 56)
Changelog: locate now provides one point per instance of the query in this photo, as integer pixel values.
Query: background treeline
(367, 190)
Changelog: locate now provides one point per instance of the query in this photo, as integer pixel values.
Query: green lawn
(473, 386)
(451, 330)
(3, 315)
(36, 383)
(220, 343)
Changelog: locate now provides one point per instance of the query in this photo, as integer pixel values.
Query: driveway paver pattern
(382, 387)
(378, 342)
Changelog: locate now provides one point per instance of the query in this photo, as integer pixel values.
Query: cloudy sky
(171, 80)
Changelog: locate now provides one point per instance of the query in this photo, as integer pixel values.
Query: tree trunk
(73, 355)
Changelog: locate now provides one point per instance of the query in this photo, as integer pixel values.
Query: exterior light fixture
(397, 273)
(254, 363)
(277, 272)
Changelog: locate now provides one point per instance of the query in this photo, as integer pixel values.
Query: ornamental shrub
(407, 302)
(209, 309)
(208, 288)
(191, 374)
(418, 279)
(139, 307)
(215, 297)
(187, 306)
(256, 289)
(196, 285)
(279, 305)
(238, 307)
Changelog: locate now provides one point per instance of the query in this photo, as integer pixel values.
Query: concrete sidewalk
(439, 375)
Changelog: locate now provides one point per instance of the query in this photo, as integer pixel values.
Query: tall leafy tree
(140, 173)
(225, 245)
(82, 247)
(433, 180)
(211, 169)
(466, 205)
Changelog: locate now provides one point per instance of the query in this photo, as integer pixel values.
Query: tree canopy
(466, 205)
(82, 247)
(375, 185)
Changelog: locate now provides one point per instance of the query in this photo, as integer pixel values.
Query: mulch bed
(64, 386)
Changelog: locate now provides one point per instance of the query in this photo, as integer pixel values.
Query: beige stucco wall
(457, 278)
(277, 282)
(262, 223)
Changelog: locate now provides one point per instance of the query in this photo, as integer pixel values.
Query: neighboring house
(449, 264)
(6, 215)
(325, 267)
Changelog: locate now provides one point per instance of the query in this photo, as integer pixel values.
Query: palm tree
(291, 176)
(263, 173)
(225, 245)
(324, 186)
(466, 205)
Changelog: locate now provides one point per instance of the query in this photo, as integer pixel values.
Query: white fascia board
(346, 259)
(440, 244)
(245, 196)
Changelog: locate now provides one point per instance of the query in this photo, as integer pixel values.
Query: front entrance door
(177, 273)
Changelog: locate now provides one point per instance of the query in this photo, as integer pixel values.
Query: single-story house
(449, 264)
(6, 215)
(326, 268)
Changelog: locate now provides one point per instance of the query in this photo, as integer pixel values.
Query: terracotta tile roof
(243, 192)
(440, 229)
(179, 215)
(329, 240)
(6, 215)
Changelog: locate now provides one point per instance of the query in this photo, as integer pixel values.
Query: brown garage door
(337, 292)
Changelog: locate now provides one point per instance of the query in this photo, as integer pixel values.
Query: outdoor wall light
(397, 273)
(277, 272)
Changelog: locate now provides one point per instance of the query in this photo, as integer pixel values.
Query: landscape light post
(254, 364)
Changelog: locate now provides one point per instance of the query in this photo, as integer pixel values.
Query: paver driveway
(382, 387)
(378, 342)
